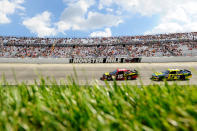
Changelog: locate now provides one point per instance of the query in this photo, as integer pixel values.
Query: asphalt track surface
(88, 73)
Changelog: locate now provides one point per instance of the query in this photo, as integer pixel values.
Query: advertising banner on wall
(105, 60)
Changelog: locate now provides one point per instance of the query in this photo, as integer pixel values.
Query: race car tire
(129, 77)
(182, 77)
(109, 78)
(161, 78)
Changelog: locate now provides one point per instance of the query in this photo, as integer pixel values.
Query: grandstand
(177, 44)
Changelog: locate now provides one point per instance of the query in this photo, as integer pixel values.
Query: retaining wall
(168, 59)
(35, 60)
(67, 60)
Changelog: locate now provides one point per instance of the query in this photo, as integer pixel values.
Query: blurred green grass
(70, 106)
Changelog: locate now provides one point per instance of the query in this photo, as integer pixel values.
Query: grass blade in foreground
(74, 107)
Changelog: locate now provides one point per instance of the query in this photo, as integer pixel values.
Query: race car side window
(120, 72)
(127, 72)
(173, 72)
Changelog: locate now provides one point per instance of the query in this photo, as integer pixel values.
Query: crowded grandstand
(177, 44)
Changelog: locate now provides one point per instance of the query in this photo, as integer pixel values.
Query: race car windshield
(166, 72)
(114, 72)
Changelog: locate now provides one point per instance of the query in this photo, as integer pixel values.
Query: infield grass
(94, 107)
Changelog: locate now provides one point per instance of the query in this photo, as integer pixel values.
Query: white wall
(66, 60)
(35, 60)
(169, 59)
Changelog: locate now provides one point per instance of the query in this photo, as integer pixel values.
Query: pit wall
(67, 60)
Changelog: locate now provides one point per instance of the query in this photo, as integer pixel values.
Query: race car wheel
(182, 77)
(161, 78)
(109, 78)
(129, 78)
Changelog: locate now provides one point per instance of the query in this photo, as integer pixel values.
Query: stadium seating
(177, 44)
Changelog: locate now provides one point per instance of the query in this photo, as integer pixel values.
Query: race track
(88, 73)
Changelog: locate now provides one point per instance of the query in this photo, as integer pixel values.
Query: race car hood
(158, 74)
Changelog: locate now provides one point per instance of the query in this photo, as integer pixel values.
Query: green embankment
(110, 107)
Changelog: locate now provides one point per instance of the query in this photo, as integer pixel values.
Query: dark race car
(120, 74)
(172, 74)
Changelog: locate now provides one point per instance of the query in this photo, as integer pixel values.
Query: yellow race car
(172, 74)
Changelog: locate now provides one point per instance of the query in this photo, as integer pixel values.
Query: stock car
(120, 74)
(172, 74)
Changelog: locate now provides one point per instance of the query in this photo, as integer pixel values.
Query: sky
(96, 18)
